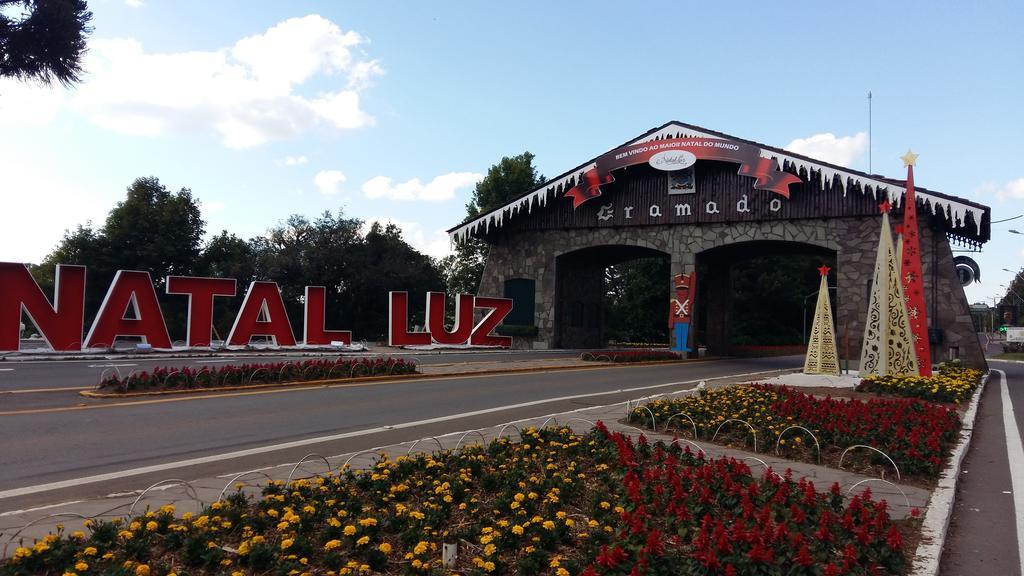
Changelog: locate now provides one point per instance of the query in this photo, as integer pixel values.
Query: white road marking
(332, 437)
(214, 361)
(6, 369)
(47, 507)
(109, 365)
(1015, 451)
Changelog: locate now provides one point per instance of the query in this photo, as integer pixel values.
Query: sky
(392, 111)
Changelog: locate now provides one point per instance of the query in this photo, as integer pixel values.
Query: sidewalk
(189, 496)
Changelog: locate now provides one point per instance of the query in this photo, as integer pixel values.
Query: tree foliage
(771, 295)
(509, 178)
(636, 301)
(152, 229)
(45, 41)
(161, 232)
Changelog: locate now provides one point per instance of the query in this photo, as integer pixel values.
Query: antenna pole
(870, 171)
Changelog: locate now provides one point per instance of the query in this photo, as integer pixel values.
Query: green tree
(509, 178)
(227, 256)
(156, 230)
(153, 230)
(768, 297)
(385, 262)
(45, 40)
(299, 253)
(636, 301)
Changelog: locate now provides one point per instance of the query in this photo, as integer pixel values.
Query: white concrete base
(849, 380)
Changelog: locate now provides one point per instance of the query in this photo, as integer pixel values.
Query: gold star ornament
(909, 159)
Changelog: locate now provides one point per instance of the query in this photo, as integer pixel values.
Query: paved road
(984, 535)
(47, 374)
(43, 448)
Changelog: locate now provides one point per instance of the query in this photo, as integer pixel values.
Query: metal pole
(869, 133)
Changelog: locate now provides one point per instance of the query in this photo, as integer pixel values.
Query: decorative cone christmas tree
(910, 272)
(888, 346)
(822, 357)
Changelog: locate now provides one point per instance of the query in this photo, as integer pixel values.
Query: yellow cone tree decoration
(888, 346)
(822, 357)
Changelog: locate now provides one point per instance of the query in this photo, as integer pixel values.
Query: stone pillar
(948, 309)
(855, 262)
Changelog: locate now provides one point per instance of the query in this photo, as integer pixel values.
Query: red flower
(893, 539)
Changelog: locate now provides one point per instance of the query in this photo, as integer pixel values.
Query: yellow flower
(81, 566)
(385, 548)
(287, 543)
(89, 551)
(363, 540)
(349, 530)
(142, 570)
(331, 545)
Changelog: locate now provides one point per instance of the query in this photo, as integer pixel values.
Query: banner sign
(680, 153)
(131, 309)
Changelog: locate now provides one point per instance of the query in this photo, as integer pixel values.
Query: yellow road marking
(164, 400)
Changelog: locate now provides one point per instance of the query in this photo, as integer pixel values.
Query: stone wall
(534, 255)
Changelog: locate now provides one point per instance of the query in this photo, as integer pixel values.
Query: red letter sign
(135, 290)
(60, 324)
(314, 332)
(398, 324)
(500, 307)
(262, 297)
(463, 319)
(201, 292)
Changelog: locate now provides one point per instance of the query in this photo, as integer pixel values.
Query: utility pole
(870, 171)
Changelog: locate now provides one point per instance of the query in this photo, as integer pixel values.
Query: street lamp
(1012, 291)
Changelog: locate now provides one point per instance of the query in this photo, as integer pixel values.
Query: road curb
(385, 378)
(940, 506)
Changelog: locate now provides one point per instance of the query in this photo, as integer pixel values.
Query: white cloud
(439, 189)
(134, 3)
(28, 103)
(38, 206)
(432, 243)
(293, 160)
(327, 181)
(249, 93)
(826, 147)
(1012, 190)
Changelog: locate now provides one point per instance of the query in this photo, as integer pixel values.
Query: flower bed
(915, 434)
(952, 384)
(622, 356)
(554, 503)
(256, 373)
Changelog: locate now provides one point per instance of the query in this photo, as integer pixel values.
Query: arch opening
(758, 297)
(611, 293)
